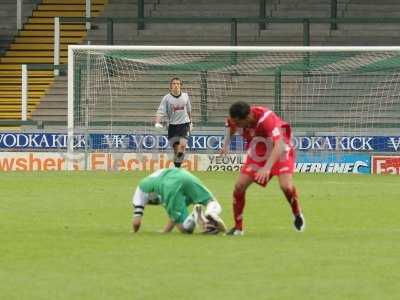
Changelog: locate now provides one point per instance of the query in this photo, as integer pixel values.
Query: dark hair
(176, 78)
(239, 110)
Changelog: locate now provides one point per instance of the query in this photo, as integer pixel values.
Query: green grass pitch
(68, 236)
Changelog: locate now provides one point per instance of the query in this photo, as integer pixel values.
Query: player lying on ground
(175, 189)
(269, 153)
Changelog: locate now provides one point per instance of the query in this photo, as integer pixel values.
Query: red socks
(292, 198)
(240, 201)
(238, 207)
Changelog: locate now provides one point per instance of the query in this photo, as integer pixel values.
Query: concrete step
(68, 7)
(160, 35)
(48, 114)
(15, 46)
(208, 28)
(11, 10)
(94, 2)
(361, 41)
(372, 13)
(375, 6)
(11, 73)
(309, 2)
(304, 5)
(46, 40)
(301, 13)
(120, 29)
(17, 81)
(79, 27)
(52, 14)
(383, 2)
(113, 2)
(367, 27)
(32, 87)
(199, 7)
(31, 60)
(49, 117)
(281, 28)
(209, 2)
(370, 34)
(43, 20)
(35, 53)
(50, 33)
(59, 105)
(205, 13)
(297, 27)
(222, 42)
(18, 93)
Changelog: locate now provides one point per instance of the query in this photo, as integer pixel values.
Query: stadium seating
(53, 105)
(249, 33)
(8, 17)
(346, 34)
(178, 33)
(303, 100)
(34, 45)
(141, 102)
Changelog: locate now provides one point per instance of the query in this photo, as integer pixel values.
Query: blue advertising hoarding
(146, 142)
(324, 163)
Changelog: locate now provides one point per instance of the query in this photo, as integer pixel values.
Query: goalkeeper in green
(175, 189)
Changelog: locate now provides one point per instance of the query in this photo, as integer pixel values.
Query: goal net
(335, 98)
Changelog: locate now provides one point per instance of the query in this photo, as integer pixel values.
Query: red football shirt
(268, 127)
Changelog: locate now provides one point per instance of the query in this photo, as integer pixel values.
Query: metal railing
(233, 38)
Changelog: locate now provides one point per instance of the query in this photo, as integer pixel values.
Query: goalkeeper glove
(158, 126)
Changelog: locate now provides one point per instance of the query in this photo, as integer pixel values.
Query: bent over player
(269, 153)
(175, 189)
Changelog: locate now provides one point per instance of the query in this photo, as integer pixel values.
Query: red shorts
(284, 166)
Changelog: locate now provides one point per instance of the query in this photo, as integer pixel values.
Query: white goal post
(329, 90)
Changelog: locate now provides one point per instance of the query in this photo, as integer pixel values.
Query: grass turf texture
(68, 236)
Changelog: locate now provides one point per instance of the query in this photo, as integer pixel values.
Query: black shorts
(176, 131)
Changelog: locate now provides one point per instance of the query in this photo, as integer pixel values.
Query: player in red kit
(269, 153)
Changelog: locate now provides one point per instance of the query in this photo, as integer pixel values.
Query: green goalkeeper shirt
(178, 188)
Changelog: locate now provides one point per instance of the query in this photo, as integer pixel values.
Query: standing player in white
(177, 108)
